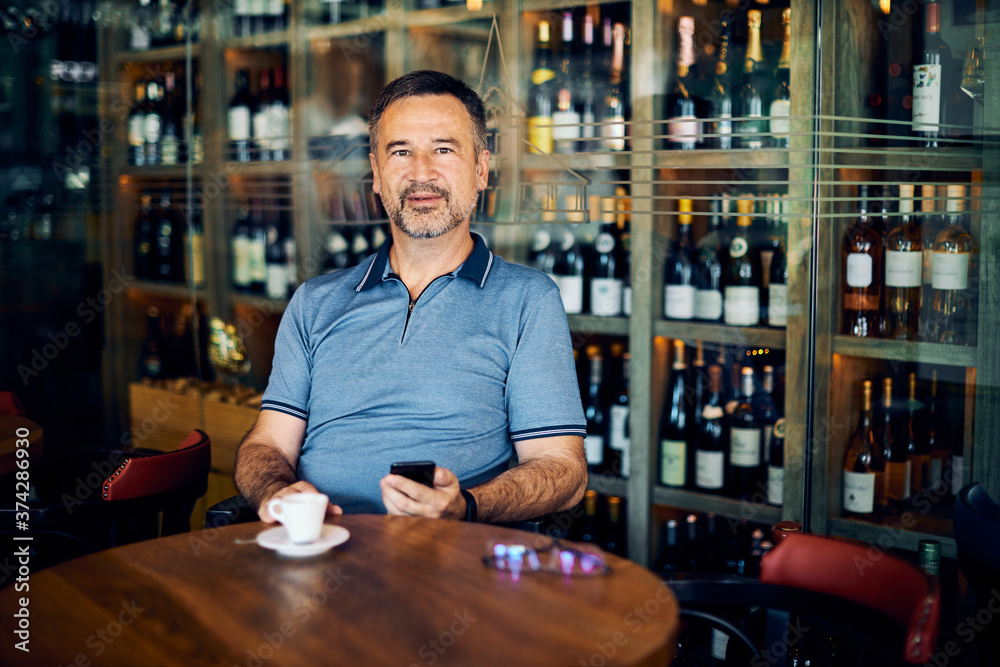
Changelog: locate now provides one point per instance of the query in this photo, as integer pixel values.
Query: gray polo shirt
(483, 359)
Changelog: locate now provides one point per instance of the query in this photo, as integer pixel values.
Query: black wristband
(471, 509)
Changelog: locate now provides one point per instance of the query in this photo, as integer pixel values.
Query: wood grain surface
(401, 591)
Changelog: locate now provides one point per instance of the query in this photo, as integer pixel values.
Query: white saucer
(277, 539)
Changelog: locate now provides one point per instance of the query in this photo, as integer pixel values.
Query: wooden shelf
(416, 18)
(608, 485)
(171, 172)
(575, 161)
(706, 502)
(901, 350)
(446, 16)
(735, 158)
(257, 168)
(169, 290)
(259, 302)
(158, 54)
(259, 41)
(721, 333)
(884, 537)
(602, 326)
(909, 158)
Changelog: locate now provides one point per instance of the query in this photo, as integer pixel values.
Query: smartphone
(418, 471)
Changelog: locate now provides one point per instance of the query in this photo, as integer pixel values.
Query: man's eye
(401, 152)
(444, 150)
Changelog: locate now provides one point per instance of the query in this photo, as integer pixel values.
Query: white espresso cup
(302, 515)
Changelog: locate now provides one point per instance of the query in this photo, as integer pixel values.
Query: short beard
(398, 217)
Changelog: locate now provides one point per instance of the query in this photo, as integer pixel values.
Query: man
(433, 349)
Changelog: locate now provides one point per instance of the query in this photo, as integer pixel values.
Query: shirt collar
(476, 268)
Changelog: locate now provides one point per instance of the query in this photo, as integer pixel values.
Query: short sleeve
(291, 371)
(542, 393)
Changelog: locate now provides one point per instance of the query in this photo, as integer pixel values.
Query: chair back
(864, 575)
(976, 520)
(160, 473)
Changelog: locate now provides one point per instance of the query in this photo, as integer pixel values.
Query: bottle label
(606, 296)
(903, 268)
(571, 291)
(957, 473)
(859, 492)
(781, 126)
(277, 281)
(926, 96)
(618, 428)
(593, 445)
(196, 260)
(627, 301)
(742, 306)
(738, 247)
(720, 642)
(540, 137)
(673, 462)
(604, 243)
(613, 133)
(775, 485)
(239, 123)
(678, 302)
(258, 261)
(277, 121)
(950, 271)
(153, 366)
(151, 128)
(261, 126)
(777, 304)
(567, 127)
(708, 304)
(859, 269)
(683, 129)
(136, 130)
(744, 447)
(540, 241)
(709, 469)
(241, 261)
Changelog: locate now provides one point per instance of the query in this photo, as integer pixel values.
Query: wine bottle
(741, 302)
(168, 248)
(752, 128)
(708, 269)
(594, 411)
(240, 247)
(262, 119)
(927, 78)
(568, 269)
(169, 142)
(897, 477)
(194, 249)
(776, 465)
(239, 118)
(565, 118)
(278, 117)
(541, 94)
(745, 440)
(257, 248)
(291, 254)
(618, 415)
(623, 221)
(777, 285)
(675, 431)
(360, 245)
(862, 270)
(710, 456)
(766, 410)
(781, 100)
(587, 102)
(918, 455)
(143, 238)
(152, 351)
(691, 550)
(679, 284)
(864, 465)
(668, 558)
(929, 228)
(697, 397)
(589, 530)
(615, 539)
(276, 285)
(607, 267)
(950, 273)
(152, 123)
(137, 128)
(903, 263)
(938, 440)
(682, 119)
(721, 102)
(613, 113)
(338, 250)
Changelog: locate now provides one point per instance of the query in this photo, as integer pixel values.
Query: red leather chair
(9, 405)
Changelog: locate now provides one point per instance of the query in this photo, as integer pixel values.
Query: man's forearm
(261, 471)
(531, 489)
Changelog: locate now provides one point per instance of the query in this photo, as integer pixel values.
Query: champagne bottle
(565, 118)
(864, 465)
(541, 94)
(679, 287)
(721, 102)
(776, 465)
(752, 128)
(682, 120)
(239, 118)
(594, 411)
(927, 78)
(950, 273)
(745, 440)
(710, 457)
(903, 263)
(862, 268)
(918, 456)
(897, 476)
(781, 100)
(613, 114)
(675, 431)
(741, 302)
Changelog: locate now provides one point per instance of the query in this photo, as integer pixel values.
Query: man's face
(426, 169)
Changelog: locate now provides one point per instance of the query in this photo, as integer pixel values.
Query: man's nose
(424, 170)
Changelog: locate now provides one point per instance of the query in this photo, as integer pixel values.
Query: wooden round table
(401, 591)
(13, 429)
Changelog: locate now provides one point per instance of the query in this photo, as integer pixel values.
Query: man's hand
(298, 487)
(404, 496)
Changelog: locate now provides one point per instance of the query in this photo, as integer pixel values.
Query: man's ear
(483, 170)
(376, 182)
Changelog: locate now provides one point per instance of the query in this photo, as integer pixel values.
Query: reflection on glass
(974, 72)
